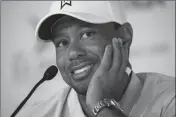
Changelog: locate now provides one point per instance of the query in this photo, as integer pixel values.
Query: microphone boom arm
(49, 74)
(27, 97)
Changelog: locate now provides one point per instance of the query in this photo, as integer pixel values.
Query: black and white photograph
(72, 58)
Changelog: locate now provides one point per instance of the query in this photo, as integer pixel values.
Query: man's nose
(75, 52)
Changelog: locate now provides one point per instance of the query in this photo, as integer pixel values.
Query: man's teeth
(82, 69)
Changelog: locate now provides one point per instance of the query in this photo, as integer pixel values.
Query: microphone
(49, 74)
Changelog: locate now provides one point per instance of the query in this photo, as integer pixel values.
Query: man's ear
(125, 32)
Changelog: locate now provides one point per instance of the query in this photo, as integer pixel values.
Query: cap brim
(43, 29)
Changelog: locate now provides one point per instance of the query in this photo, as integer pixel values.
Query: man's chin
(81, 87)
(82, 90)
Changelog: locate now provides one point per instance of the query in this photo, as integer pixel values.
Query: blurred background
(24, 58)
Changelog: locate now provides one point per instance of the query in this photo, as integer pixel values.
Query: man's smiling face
(79, 49)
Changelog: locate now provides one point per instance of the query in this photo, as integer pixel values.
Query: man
(92, 41)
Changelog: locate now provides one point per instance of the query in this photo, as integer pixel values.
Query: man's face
(79, 49)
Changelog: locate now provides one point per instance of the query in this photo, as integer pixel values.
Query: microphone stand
(27, 97)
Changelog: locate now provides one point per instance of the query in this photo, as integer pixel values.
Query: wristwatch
(109, 103)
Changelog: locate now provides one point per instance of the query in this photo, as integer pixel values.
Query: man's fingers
(106, 61)
(116, 62)
(125, 56)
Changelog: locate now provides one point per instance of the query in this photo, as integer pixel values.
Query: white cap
(95, 12)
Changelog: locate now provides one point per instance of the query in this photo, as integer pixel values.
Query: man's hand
(110, 79)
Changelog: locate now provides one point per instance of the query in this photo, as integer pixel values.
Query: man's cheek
(97, 50)
(61, 65)
(60, 61)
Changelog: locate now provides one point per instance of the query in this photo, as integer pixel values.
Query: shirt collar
(74, 105)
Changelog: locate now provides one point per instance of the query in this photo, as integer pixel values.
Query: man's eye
(62, 43)
(87, 35)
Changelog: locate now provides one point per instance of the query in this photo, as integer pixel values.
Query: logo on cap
(65, 2)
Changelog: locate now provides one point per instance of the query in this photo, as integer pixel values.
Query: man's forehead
(67, 21)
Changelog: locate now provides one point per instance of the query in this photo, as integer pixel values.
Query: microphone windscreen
(50, 73)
